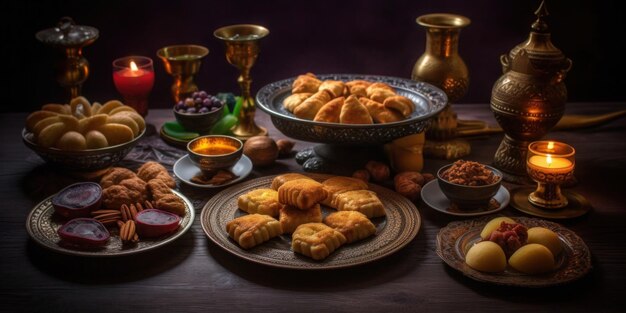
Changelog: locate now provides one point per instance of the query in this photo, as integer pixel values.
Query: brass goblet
(242, 49)
(183, 63)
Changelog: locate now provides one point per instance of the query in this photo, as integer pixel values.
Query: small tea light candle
(550, 164)
(134, 77)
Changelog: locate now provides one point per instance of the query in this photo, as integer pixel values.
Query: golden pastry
(380, 91)
(363, 201)
(116, 175)
(294, 100)
(353, 225)
(291, 217)
(301, 193)
(401, 104)
(309, 107)
(316, 240)
(357, 88)
(253, 229)
(72, 141)
(330, 112)
(335, 87)
(154, 170)
(281, 179)
(171, 203)
(379, 113)
(157, 189)
(306, 83)
(116, 133)
(260, 201)
(338, 184)
(354, 112)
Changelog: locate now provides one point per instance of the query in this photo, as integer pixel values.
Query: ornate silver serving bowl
(84, 160)
(428, 99)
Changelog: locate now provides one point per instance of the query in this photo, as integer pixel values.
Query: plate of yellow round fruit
(514, 251)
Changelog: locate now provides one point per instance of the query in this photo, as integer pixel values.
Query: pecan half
(128, 232)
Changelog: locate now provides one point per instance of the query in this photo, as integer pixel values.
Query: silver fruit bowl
(83, 160)
(428, 99)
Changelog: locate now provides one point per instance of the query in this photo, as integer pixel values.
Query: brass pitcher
(442, 66)
(529, 98)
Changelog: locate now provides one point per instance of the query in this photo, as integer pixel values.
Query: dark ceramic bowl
(469, 197)
(199, 122)
(210, 163)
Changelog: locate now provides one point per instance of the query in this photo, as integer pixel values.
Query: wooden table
(193, 274)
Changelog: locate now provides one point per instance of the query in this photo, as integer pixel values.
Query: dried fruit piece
(363, 175)
(78, 200)
(86, 232)
(261, 150)
(304, 155)
(409, 184)
(155, 223)
(510, 237)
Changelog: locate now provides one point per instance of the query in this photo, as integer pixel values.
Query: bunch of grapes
(199, 102)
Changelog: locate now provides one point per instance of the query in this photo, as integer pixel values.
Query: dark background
(368, 37)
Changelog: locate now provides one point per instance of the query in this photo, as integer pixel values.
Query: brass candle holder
(550, 164)
(242, 49)
(183, 63)
(72, 68)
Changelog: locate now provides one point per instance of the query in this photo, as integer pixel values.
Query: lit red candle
(134, 77)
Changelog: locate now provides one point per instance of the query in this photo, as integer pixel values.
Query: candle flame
(133, 66)
(550, 145)
(549, 160)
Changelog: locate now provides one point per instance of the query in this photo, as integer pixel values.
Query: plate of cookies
(349, 108)
(310, 222)
(125, 213)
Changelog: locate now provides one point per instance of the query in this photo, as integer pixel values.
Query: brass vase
(442, 66)
(529, 98)
(72, 69)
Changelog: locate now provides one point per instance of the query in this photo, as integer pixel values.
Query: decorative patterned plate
(393, 232)
(428, 99)
(42, 225)
(572, 263)
(434, 198)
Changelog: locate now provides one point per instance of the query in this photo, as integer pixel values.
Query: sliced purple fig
(78, 200)
(85, 232)
(156, 223)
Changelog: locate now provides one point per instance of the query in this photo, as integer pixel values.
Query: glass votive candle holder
(133, 77)
(550, 164)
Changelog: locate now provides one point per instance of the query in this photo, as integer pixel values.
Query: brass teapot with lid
(529, 98)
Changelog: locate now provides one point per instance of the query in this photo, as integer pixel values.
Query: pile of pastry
(353, 102)
(81, 125)
(292, 206)
(152, 182)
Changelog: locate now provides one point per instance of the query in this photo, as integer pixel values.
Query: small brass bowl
(469, 197)
(214, 152)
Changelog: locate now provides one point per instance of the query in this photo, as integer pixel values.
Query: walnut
(363, 175)
(379, 171)
(409, 184)
(261, 150)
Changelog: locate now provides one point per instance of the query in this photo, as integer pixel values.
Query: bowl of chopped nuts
(468, 184)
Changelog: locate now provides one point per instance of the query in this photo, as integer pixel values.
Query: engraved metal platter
(574, 262)
(393, 232)
(42, 225)
(428, 99)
